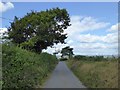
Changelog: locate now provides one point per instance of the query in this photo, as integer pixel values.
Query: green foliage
(24, 69)
(63, 59)
(91, 58)
(67, 51)
(79, 57)
(38, 30)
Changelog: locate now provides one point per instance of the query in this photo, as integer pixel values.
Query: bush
(89, 58)
(63, 59)
(79, 57)
(24, 69)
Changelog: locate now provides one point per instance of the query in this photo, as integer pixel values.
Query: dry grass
(94, 74)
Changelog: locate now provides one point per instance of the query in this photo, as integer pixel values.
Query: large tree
(67, 51)
(38, 30)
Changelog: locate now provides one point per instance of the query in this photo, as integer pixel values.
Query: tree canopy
(38, 30)
(67, 51)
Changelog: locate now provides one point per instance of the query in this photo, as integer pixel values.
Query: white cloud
(97, 46)
(87, 38)
(90, 44)
(2, 31)
(114, 28)
(5, 6)
(82, 24)
(70, 41)
(96, 51)
(109, 38)
(0, 20)
(57, 47)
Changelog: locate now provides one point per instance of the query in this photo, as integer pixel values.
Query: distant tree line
(92, 58)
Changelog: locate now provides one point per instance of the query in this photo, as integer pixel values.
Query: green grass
(96, 74)
(24, 69)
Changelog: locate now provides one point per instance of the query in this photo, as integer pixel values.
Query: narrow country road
(62, 77)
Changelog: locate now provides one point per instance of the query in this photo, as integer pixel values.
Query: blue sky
(94, 25)
(103, 11)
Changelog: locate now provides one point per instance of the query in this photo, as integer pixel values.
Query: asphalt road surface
(62, 77)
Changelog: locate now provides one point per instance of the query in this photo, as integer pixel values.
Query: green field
(96, 74)
(24, 69)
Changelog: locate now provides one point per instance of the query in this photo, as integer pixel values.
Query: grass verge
(96, 74)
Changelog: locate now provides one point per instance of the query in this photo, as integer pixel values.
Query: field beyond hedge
(96, 74)
(24, 69)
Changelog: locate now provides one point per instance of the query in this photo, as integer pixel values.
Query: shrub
(24, 69)
(63, 59)
(90, 58)
(79, 57)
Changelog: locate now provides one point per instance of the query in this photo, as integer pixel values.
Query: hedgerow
(24, 69)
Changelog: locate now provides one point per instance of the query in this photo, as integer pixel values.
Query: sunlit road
(62, 77)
